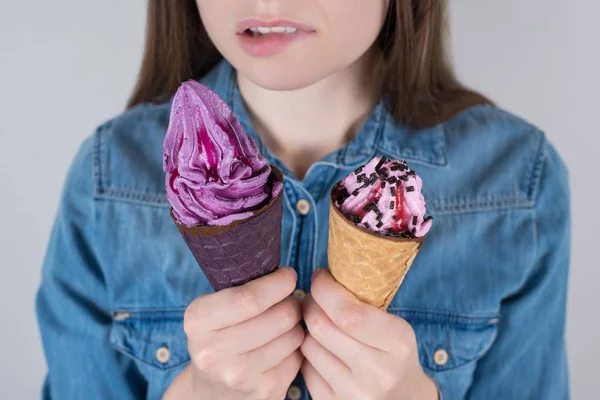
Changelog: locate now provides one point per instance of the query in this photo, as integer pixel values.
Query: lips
(261, 38)
(263, 30)
(275, 26)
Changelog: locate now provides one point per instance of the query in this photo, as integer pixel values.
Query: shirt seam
(316, 219)
(483, 206)
(448, 208)
(467, 318)
(537, 163)
(294, 225)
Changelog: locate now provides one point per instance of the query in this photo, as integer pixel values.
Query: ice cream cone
(244, 250)
(370, 266)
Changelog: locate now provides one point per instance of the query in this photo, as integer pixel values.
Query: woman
(322, 86)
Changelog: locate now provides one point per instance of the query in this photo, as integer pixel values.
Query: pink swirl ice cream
(384, 197)
(214, 172)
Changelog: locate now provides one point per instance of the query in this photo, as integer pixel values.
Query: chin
(277, 73)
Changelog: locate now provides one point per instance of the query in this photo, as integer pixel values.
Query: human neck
(301, 126)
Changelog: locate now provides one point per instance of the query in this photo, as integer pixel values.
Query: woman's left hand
(356, 351)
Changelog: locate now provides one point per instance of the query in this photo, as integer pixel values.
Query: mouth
(256, 27)
(264, 30)
(260, 38)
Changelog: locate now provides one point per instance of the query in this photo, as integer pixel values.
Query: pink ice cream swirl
(214, 172)
(384, 197)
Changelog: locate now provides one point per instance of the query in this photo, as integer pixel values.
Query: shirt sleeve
(528, 359)
(72, 304)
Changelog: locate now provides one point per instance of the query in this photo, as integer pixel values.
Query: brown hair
(415, 74)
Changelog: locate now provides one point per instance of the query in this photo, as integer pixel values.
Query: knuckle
(387, 380)
(402, 349)
(405, 346)
(318, 326)
(245, 300)
(189, 320)
(204, 359)
(194, 316)
(351, 317)
(232, 377)
(286, 316)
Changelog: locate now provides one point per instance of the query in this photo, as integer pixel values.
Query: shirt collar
(379, 133)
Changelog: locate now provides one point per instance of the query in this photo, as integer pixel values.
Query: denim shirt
(486, 295)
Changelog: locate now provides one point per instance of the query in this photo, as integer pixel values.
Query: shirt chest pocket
(450, 346)
(155, 341)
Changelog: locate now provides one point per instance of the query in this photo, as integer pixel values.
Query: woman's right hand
(243, 342)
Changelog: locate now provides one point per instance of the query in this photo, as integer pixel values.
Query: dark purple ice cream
(214, 172)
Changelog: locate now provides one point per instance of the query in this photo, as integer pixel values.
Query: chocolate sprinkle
(382, 161)
(341, 195)
(415, 220)
(411, 173)
(428, 218)
(391, 205)
(395, 167)
(373, 179)
(372, 206)
(404, 178)
(365, 184)
(375, 208)
(358, 170)
(354, 219)
(410, 188)
(383, 185)
(414, 230)
(392, 179)
(396, 218)
(393, 190)
(380, 224)
(355, 193)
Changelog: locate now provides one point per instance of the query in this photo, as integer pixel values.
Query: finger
(363, 322)
(331, 368)
(349, 350)
(262, 329)
(273, 353)
(234, 305)
(318, 388)
(282, 376)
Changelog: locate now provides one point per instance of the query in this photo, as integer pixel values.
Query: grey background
(68, 65)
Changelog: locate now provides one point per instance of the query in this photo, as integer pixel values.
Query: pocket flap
(446, 340)
(154, 337)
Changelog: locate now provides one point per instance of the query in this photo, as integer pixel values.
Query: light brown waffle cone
(372, 267)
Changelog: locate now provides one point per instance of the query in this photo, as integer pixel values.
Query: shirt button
(440, 357)
(163, 355)
(303, 207)
(294, 393)
(299, 294)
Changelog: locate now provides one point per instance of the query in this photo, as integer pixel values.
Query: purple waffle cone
(244, 250)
